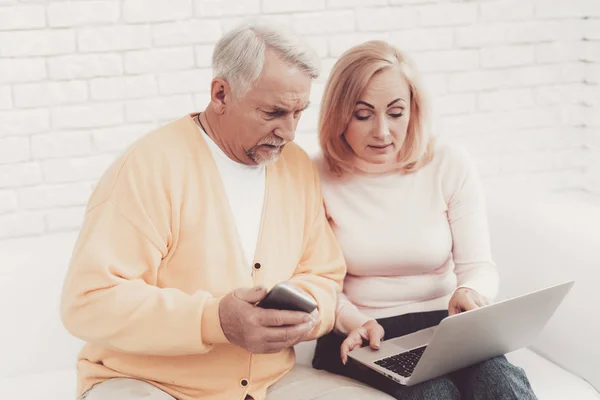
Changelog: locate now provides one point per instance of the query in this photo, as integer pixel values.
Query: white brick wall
(515, 81)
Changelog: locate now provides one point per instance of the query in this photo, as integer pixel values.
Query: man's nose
(287, 129)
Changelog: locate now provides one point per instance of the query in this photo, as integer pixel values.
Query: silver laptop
(464, 339)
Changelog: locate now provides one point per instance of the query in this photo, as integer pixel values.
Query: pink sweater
(409, 240)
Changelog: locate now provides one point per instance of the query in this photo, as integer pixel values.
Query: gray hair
(239, 56)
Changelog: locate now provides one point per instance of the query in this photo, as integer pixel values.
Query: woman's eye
(396, 112)
(362, 116)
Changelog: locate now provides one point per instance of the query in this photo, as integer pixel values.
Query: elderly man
(184, 232)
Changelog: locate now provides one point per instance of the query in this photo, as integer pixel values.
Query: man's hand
(371, 331)
(260, 330)
(465, 299)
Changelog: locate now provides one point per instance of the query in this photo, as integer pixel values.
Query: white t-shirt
(245, 189)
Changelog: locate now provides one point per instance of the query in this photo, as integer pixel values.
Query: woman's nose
(381, 129)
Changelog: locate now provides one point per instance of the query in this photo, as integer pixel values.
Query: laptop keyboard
(404, 363)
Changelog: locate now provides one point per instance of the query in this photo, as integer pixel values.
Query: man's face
(264, 119)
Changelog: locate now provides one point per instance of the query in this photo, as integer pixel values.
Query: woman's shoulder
(452, 158)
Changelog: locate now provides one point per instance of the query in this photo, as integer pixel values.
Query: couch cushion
(32, 338)
(58, 385)
(549, 381)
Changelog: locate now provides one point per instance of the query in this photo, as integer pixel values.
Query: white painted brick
(386, 18)
(588, 94)
(23, 122)
(16, 175)
(8, 201)
(21, 224)
(203, 54)
(278, 6)
(447, 60)
(65, 219)
(507, 56)
(50, 196)
(506, 10)
(326, 66)
(220, 8)
(592, 73)
(423, 39)
(566, 9)
(156, 10)
(571, 30)
(591, 28)
(447, 14)
(559, 94)
(505, 99)
(197, 80)
(140, 62)
(14, 149)
(159, 108)
(324, 22)
(49, 94)
(123, 87)
(557, 52)
(465, 124)
(186, 32)
(5, 97)
(87, 116)
(61, 144)
(572, 72)
(435, 84)
(319, 43)
(109, 38)
(356, 3)
(569, 158)
(37, 43)
(309, 121)
(481, 35)
(340, 43)
(22, 17)
(22, 70)
(591, 51)
(454, 104)
(229, 23)
(85, 66)
(316, 94)
(83, 13)
(534, 75)
(63, 170)
(201, 100)
(118, 138)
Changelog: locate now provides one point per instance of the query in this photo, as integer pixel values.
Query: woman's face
(379, 122)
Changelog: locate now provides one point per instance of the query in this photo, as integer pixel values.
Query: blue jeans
(493, 379)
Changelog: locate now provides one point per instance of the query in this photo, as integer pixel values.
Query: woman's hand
(465, 299)
(371, 331)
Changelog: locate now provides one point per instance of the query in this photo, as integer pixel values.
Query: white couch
(537, 241)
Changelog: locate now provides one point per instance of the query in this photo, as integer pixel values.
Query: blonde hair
(349, 77)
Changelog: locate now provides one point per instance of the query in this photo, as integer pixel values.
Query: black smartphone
(285, 296)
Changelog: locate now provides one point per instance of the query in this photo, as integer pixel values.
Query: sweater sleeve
(348, 316)
(467, 216)
(321, 270)
(110, 294)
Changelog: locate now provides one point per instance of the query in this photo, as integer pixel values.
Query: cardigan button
(244, 382)
(257, 266)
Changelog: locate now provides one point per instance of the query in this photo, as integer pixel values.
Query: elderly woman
(410, 217)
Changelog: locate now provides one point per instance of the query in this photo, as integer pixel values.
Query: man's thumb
(250, 295)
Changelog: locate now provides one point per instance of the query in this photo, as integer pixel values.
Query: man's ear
(220, 94)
